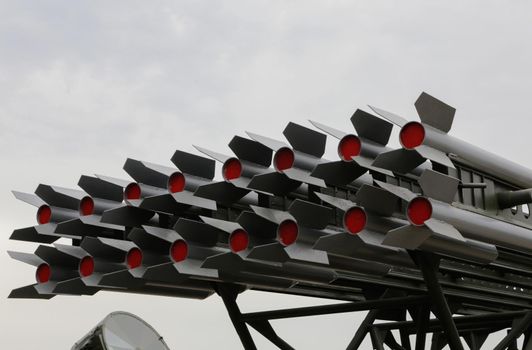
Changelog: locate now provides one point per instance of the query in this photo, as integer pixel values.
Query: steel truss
(446, 328)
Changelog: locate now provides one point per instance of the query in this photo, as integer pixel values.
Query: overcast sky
(86, 84)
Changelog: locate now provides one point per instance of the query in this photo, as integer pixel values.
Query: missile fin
(434, 112)
(305, 140)
(309, 214)
(193, 164)
(329, 130)
(214, 155)
(376, 200)
(338, 173)
(371, 127)
(394, 118)
(399, 160)
(251, 150)
(438, 186)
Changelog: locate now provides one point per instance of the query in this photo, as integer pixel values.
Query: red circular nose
(349, 147)
(134, 258)
(283, 159)
(419, 210)
(86, 206)
(238, 240)
(43, 274)
(132, 191)
(86, 266)
(176, 182)
(179, 250)
(355, 220)
(44, 214)
(288, 232)
(232, 169)
(412, 135)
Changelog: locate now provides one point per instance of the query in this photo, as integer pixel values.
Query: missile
(293, 165)
(430, 139)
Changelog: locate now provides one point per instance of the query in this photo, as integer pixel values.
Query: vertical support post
(422, 321)
(228, 295)
(428, 265)
(405, 340)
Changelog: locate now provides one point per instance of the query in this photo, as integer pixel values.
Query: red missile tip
(86, 266)
(355, 220)
(176, 182)
(179, 250)
(238, 240)
(44, 214)
(232, 169)
(43, 274)
(419, 210)
(134, 258)
(287, 232)
(132, 191)
(283, 159)
(412, 135)
(348, 147)
(86, 206)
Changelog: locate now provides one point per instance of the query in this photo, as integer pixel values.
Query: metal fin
(99, 188)
(28, 292)
(444, 229)
(438, 186)
(274, 252)
(252, 151)
(338, 173)
(376, 200)
(27, 258)
(309, 214)
(435, 155)
(408, 237)
(272, 144)
(399, 160)
(400, 192)
(340, 203)
(434, 112)
(193, 164)
(60, 196)
(127, 216)
(275, 183)
(371, 127)
(329, 130)
(38, 234)
(28, 198)
(272, 215)
(214, 155)
(303, 176)
(394, 118)
(148, 173)
(222, 192)
(305, 140)
(197, 232)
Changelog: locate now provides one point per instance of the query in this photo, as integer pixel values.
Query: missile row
(306, 226)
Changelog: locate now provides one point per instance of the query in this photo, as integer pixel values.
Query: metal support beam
(390, 341)
(376, 339)
(388, 303)
(517, 329)
(265, 328)
(362, 330)
(229, 295)
(427, 264)
(423, 317)
(405, 340)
